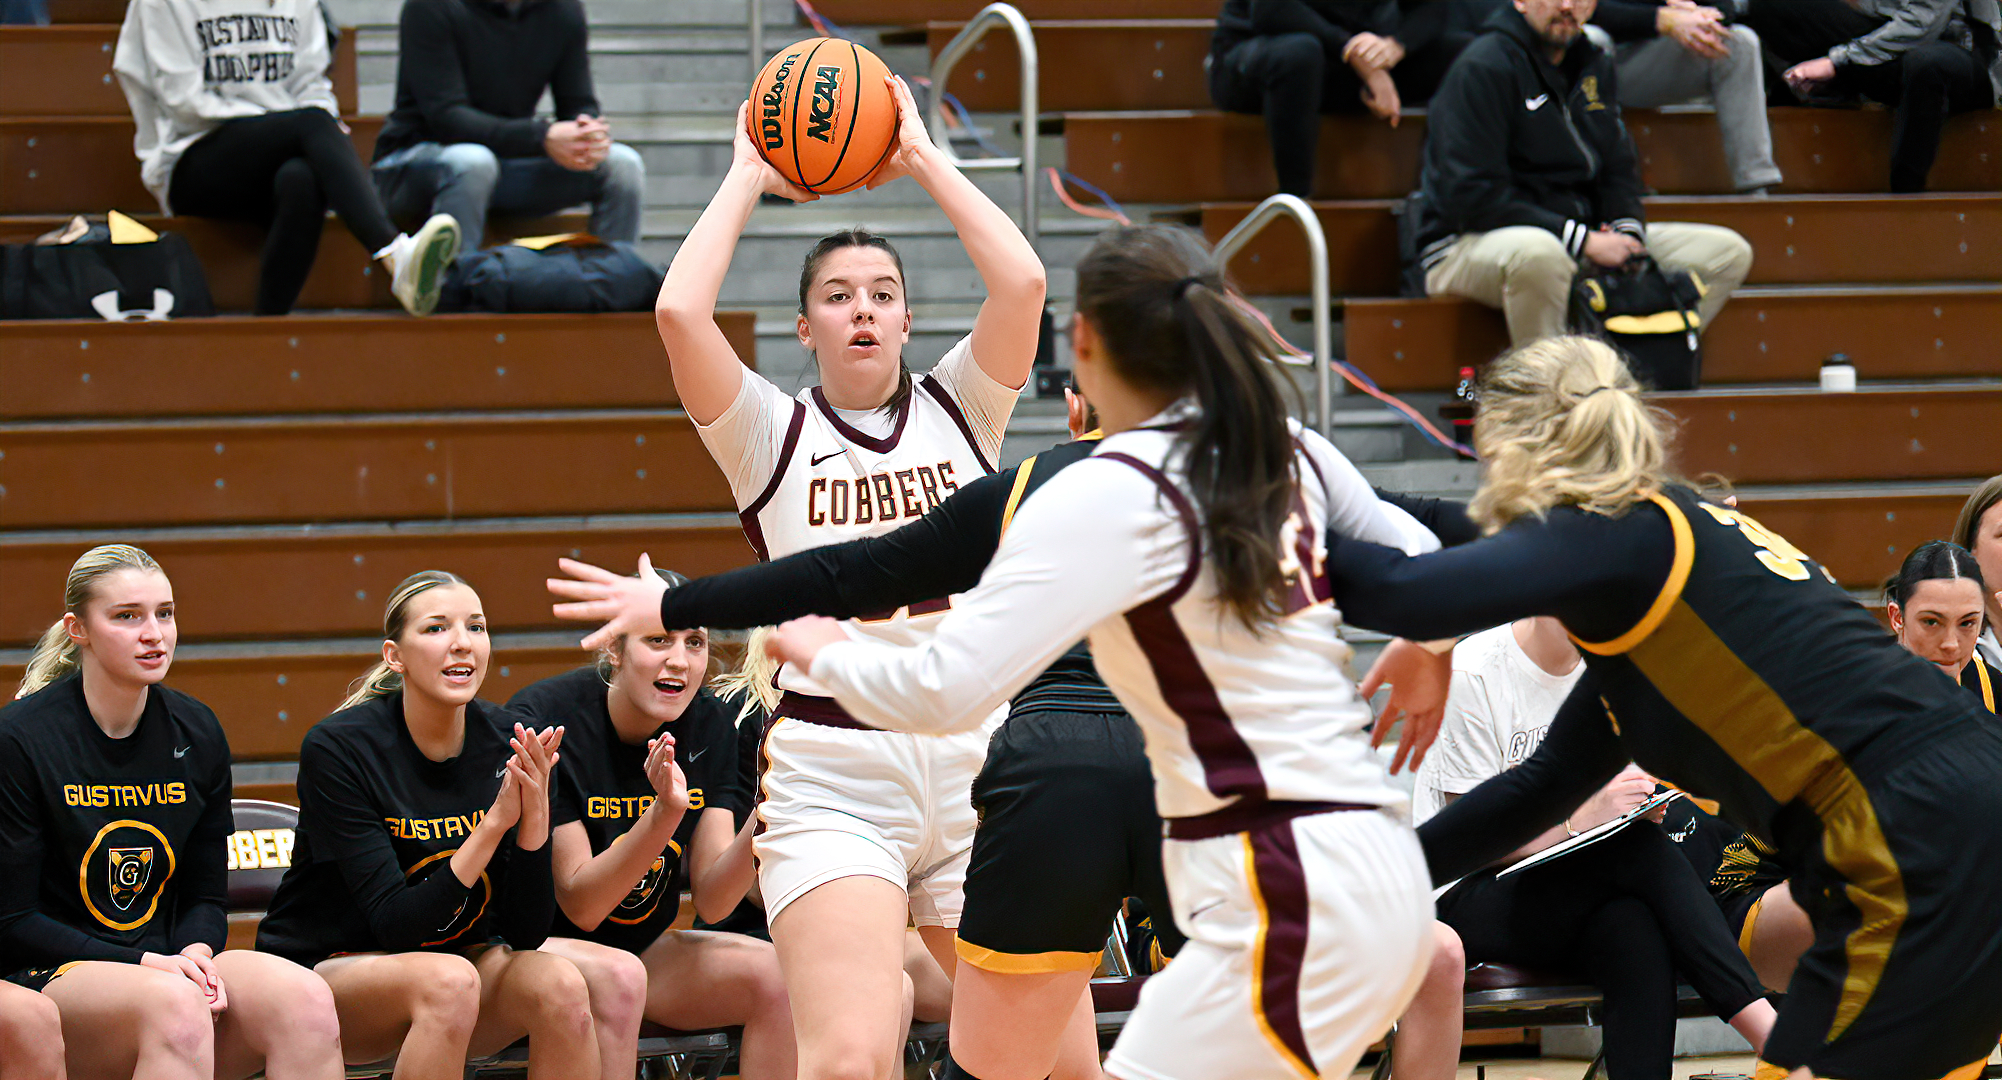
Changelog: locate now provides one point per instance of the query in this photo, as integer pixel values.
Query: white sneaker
(418, 263)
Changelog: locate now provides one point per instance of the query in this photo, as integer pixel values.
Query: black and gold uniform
(1725, 661)
(378, 825)
(109, 848)
(602, 783)
(1068, 828)
(1984, 682)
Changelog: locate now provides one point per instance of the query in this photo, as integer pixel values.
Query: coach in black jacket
(1528, 169)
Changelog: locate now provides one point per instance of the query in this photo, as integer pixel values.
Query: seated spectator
(1935, 604)
(464, 138)
(1627, 913)
(1528, 169)
(236, 119)
(1293, 60)
(1928, 59)
(1671, 51)
(1979, 529)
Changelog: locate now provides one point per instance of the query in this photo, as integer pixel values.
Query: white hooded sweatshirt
(188, 65)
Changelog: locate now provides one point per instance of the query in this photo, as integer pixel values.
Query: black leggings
(1627, 914)
(282, 170)
(1292, 80)
(1929, 83)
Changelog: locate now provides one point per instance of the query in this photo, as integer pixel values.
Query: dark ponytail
(1159, 302)
(1934, 560)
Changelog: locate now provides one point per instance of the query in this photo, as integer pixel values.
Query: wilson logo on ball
(826, 89)
(774, 105)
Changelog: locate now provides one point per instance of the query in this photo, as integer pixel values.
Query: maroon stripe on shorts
(1282, 883)
(1229, 766)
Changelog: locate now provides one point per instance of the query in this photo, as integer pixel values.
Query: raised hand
(1419, 681)
(533, 764)
(670, 784)
(799, 641)
(745, 155)
(912, 138)
(625, 605)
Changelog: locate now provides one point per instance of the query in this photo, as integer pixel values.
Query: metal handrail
(1264, 214)
(991, 16)
(756, 54)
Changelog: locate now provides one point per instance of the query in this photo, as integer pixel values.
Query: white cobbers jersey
(1111, 547)
(806, 474)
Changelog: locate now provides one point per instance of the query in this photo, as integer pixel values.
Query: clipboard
(1596, 833)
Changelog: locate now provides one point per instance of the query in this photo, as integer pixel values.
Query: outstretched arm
(707, 371)
(1005, 331)
(1577, 757)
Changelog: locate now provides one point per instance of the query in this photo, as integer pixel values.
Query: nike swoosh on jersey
(1535, 103)
(697, 754)
(182, 751)
(824, 457)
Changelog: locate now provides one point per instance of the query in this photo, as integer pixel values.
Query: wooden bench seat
(1796, 240)
(345, 276)
(372, 467)
(1860, 534)
(1762, 336)
(1803, 436)
(1204, 156)
(1100, 63)
(84, 164)
(335, 579)
(65, 70)
(266, 702)
(238, 365)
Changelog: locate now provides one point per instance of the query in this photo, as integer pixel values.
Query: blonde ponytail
(1561, 423)
(55, 654)
(383, 680)
(755, 679)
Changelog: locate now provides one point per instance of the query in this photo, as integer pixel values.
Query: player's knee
(1447, 973)
(444, 991)
(306, 1014)
(558, 995)
(617, 985)
(31, 1032)
(852, 1059)
(175, 1017)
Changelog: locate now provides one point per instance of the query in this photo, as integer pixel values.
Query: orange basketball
(822, 115)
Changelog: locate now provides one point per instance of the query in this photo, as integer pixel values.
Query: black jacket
(1514, 140)
(471, 71)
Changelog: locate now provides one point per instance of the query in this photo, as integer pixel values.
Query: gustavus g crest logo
(640, 902)
(124, 871)
(131, 869)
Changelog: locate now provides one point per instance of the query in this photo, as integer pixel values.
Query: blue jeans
(467, 181)
(24, 12)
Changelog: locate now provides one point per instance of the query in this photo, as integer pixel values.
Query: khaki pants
(1526, 272)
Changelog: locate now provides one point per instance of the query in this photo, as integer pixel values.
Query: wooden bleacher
(289, 471)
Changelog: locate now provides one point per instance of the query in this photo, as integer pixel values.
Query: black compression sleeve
(202, 884)
(937, 555)
(528, 904)
(1595, 573)
(1447, 518)
(1579, 755)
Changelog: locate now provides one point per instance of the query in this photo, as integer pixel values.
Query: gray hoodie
(189, 65)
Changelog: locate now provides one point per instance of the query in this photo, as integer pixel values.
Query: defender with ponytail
(1728, 662)
(1187, 547)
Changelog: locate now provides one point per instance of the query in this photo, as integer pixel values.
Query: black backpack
(567, 274)
(84, 275)
(1647, 313)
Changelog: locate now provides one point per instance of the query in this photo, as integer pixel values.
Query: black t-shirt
(602, 783)
(378, 825)
(110, 848)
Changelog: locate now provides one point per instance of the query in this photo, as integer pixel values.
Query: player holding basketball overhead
(420, 885)
(1188, 548)
(114, 821)
(1728, 663)
(865, 831)
(647, 798)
